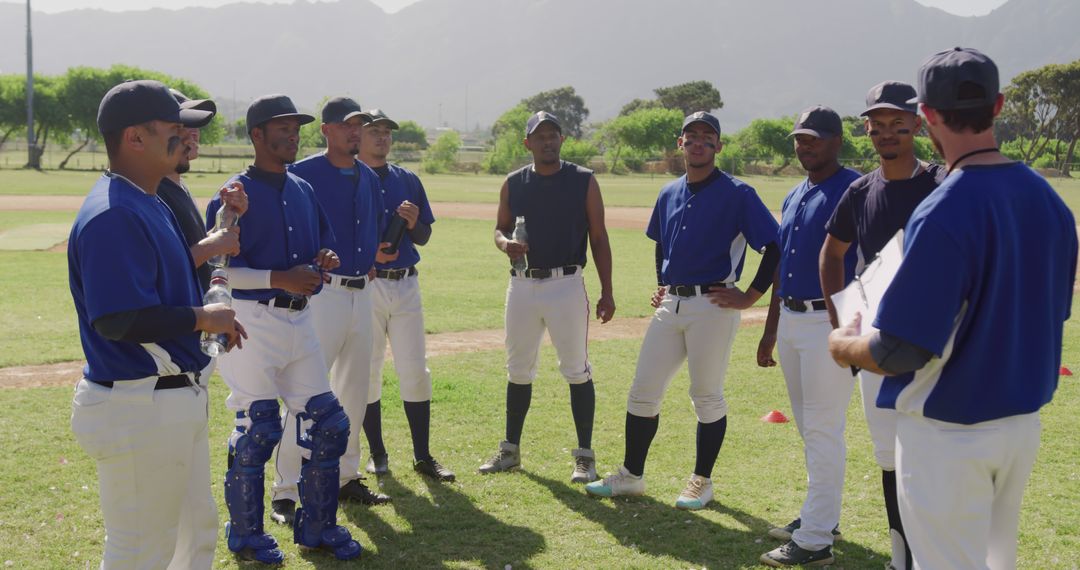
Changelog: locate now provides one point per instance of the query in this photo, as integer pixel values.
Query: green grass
(463, 280)
(536, 518)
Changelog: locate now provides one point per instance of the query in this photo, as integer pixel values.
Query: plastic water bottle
(520, 236)
(226, 218)
(214, 344)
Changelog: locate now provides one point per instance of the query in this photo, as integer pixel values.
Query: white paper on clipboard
(863, 295)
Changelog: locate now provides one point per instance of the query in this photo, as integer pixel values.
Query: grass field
(536, 518)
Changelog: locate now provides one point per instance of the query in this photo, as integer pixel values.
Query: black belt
(801, 306)
(395, 274)
(163, 382)
(351, 283)
(286, 302)
(537, 273)
(692, 290)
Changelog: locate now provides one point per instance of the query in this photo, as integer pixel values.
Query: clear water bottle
(214, 344)
(226, 218)
(520, 236)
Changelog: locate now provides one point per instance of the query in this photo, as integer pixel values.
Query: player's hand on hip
(300, 280)
(515, 249)
(732, 298)
(233, 196)
(382, 257)
(765, 351)
(223, 241)
(409, 212)
(658, 296)
(605, 308)
(327, 260)
(841, 337)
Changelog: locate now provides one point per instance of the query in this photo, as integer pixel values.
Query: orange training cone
(1065, 372)
(775, 417)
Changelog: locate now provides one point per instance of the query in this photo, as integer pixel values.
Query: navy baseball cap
(136, 102)
(340, 109)
(942, 75)
(540, 118)
(200, 104)
(269, 107)
(819, 121)
(373, 116)
(890, 95)
(702, 117)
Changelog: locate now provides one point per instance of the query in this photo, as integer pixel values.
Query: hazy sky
(961, 7)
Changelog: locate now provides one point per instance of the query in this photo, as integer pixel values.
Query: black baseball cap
(702, 117)
(540, 118)
(136, 102)
(890, 95)
(269, 107)
(819, 121)
(200, 104)
(340, 109)
(942, 75)
(372, 116)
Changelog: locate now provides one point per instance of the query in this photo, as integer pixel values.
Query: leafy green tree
(690, 97)
(442, 156)
(641, 133)
(638, 104)
(768, 139)
(1043, 105)
(507, 150)
(565, 104)
(412, 133)
(578, 151)
(12, 105)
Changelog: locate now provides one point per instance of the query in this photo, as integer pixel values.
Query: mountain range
(461, 63)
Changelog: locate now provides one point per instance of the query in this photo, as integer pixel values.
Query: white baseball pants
(342, 321)
(882, 421)
(693, 330)
(960, 488)
(559, 304)
(820, 392)
(153, 459)
(398, 316)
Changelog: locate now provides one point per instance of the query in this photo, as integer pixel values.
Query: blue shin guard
(316, 521)
(250, 447)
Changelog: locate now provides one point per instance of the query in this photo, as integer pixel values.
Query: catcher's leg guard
(316, 525)
(250, 447)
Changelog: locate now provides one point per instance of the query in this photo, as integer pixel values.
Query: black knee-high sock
(373, 428)
(892, 510)
(639, 436)
(709, 439)
(518, 398)
(419, 416)
(583, 406)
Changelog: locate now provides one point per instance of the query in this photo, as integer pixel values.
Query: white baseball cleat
(621, 482)
(696, 495)
(584, 466)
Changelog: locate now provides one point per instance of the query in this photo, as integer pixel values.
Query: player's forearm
(601, 254)
(420, 234)
(248, 278)
(501, 239)
(150, 324)
(854, 351)
(772, 319)
(831, 274)
(201, 253)
(770, 260)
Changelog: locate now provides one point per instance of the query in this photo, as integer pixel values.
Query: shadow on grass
(659, 529)
(448, 527)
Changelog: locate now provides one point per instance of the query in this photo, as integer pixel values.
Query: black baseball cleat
(283, 511)
(791, 554)
(785, 532)
(432, 468)
(356, 491)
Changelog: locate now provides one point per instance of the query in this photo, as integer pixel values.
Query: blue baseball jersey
(703, 235)
(986, 285)
(352, 200)
(400, 184)
(126, 253)
(283, 227)
(807, 209)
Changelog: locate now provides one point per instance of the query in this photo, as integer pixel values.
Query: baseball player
(349, 193)
(396, 308)
(176, 196)
(561, 204)
(868, 215)
(701, 224)
(978, 318)
(819, 390)
(282, 256)
(140, 410)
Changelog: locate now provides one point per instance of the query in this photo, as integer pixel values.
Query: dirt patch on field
(68, 373)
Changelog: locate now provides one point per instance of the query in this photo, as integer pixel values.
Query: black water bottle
(394, 232)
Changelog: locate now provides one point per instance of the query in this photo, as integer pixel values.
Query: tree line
(1039, 125)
